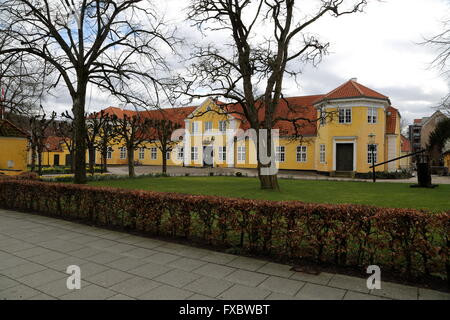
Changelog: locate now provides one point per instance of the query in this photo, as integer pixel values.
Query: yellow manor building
(216, 134)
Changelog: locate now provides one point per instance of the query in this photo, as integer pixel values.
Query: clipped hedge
(412, 242)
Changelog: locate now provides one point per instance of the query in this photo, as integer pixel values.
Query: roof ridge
(356, 85)
(336, 89)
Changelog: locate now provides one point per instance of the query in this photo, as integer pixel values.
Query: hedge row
(412, 242)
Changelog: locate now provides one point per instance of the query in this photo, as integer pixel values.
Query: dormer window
(345, 115)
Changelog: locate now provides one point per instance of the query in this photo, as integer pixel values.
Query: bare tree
(22, 85)
(64, 131)
(40, 126)
(250, 70)
(441, 42)
(131, 133)
(106, 137)
(160, 130)
(114, 45)
(95, 124)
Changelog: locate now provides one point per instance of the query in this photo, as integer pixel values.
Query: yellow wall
(357, 132)
(447, 160)
(13, 149)
(329, 134)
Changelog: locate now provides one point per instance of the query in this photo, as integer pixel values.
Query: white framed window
(222, 125)
(123, 153)
(301, 154)
(345, 115)
(208, 126)
(322, 153)
(372, 115)
(153, 153)
(194, 153)
(241, 153)
(194, 127)
(223, 153)
(109, 153)
(280, 154)
(180, 153)
(168, 155)
(141, 153)
(369, 153)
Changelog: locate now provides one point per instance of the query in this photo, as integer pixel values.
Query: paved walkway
(35, 252)
(291, 174)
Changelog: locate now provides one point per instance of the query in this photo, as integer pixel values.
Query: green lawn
(378, 194)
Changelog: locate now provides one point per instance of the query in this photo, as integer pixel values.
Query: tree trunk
(92, 159)
(33, 157)
(267, 181)
(79, 132)
(39, 162)
(131, 172)
(72, 161)
(164, 159)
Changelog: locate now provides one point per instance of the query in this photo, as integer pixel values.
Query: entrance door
(56, 160)
(344, 157)
(208, 156)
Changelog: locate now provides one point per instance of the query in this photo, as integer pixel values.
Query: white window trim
(153, 153)
(194, 153)
(369, 154)
(222, 153)
(210, 127)
(123, 153)
(141, 155)
(278, 153)
(301, 153)
(221, 124)
(345, 115)
(242, 153)
(109, 153)
(372, 113)
(180, 153)
(322, 152)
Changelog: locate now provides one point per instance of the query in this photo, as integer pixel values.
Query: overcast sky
(378, 47)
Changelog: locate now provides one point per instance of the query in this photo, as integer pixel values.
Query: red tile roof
(417, 121)
(54, 144)
(298, 110)
(391, 120)
(174, 114)
(352, 89)
(7, 129)
(406, 145)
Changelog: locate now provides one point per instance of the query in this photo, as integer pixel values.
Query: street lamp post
(372, 150)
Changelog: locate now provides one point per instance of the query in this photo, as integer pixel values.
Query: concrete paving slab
(208, 286)
(166, 292)
(317, 292)
(282, 285)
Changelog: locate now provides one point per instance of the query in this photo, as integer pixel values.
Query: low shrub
(21, 176)
(403, 174)
(411, 242)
